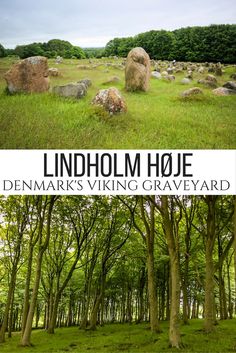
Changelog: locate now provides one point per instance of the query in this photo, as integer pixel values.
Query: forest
(198, 44)
(90, 261)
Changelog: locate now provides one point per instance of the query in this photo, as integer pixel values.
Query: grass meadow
(128, 339)
(158, 119)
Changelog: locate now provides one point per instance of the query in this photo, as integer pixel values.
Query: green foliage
(50, 49)
(210, 43)
(2, 51)
(94, 52)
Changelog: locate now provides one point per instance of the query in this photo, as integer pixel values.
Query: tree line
(92, 260)
(215, 43)
(51, 49)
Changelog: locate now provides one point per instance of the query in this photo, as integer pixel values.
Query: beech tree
(94, 260)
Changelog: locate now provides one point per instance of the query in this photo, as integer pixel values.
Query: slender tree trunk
(234, 246)
(27, 289)
(151, 277)
(209, 318)
(98, 300)
(8, 305)
(25, 341)
(53, 317)
(174, 331)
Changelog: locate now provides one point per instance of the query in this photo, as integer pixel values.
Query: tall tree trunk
(27, 289)
(209, 318)
(151, 277)
(174, 331)
(234, 245)
(8, 305)
(11, 290)
(25, 340)
(97, 303)
(53, 317)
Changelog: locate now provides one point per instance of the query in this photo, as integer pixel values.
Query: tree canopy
(51, 49)
(89, 260)
(198, 44)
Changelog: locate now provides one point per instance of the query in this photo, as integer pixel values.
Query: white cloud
(94, 23)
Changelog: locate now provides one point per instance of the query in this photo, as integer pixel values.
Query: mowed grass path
(128, 339)
(158, 119)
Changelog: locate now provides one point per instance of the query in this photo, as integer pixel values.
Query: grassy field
(158, 119)
(128, 339)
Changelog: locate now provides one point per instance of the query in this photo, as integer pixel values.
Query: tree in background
(210, 43)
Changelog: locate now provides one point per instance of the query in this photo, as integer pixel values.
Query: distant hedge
(210, 43)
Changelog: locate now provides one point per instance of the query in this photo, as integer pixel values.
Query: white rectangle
(113, 172)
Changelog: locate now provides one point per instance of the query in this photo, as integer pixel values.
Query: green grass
(128, 339)
(158, 119)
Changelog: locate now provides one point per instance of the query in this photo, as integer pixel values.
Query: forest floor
(157, 119)
(127, 338)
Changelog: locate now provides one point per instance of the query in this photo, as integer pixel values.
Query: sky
(91, 23)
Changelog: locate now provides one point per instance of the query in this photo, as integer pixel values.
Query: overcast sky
(90, 23)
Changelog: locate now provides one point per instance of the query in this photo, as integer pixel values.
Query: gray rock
(201, 70)
(86, 81)
(185, 81)
(52, 71)
(192, 92)
(223, 91)
(208, 83)
(73, 90)
(59, 60)
(170, 70)
(211, 78)
(233, 76)
(113, 79)
(230, 85)
(156, 74)
(169, 77)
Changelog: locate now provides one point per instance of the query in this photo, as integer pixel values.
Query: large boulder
(111, 100)
(71, 90)
(28, 75)
(137, 70)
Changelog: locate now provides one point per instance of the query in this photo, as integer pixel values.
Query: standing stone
(28, 75)
(137, 70)
(59, 60)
